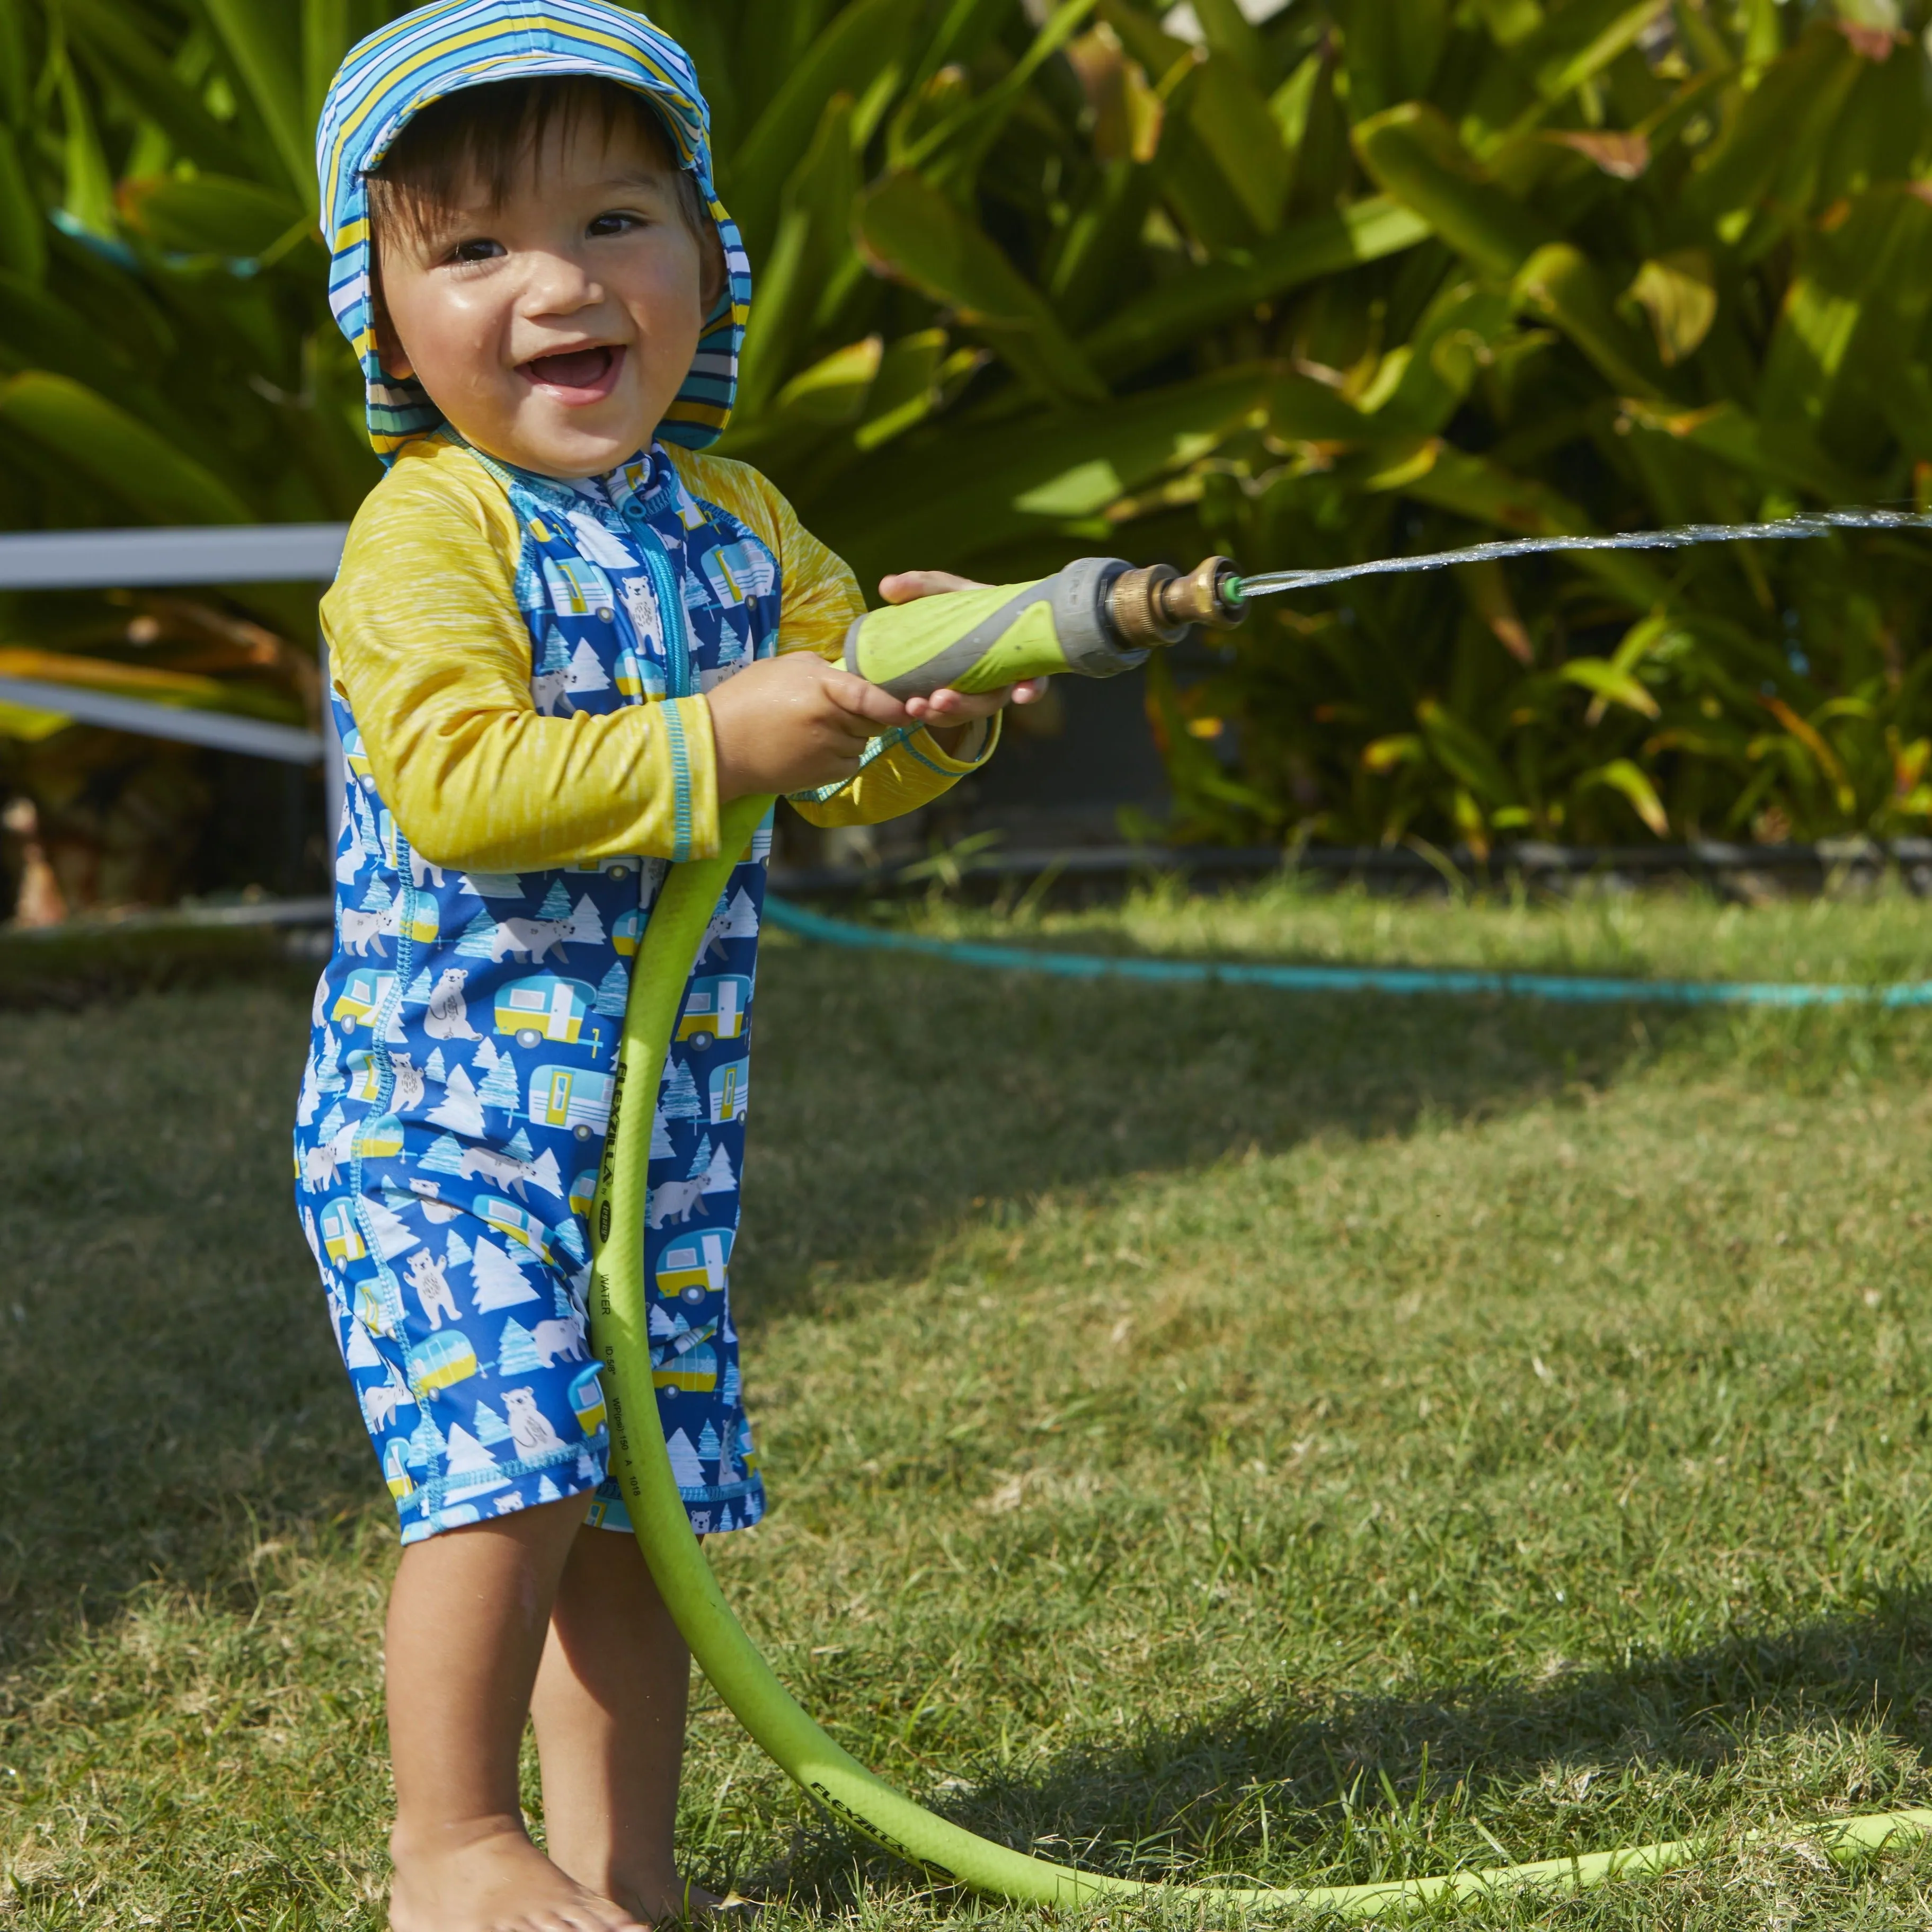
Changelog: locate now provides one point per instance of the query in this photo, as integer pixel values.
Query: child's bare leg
(610, 1710)
(467, 1621)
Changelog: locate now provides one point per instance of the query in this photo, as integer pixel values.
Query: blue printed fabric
(454, 1103)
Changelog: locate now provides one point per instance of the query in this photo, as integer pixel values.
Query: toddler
(560, 640)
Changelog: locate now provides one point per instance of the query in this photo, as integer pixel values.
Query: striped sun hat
(452, 44)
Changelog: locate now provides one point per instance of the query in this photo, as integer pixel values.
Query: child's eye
(614, 221)
(478, 248)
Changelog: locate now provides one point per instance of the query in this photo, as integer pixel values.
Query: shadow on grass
(168, 1391)
(1659, 1746)
(895, 1095)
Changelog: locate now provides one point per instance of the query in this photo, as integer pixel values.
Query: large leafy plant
(1372, 273)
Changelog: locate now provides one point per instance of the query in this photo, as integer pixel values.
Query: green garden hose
(741, 1675)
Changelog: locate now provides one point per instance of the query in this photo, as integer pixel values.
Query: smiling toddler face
(548, 295)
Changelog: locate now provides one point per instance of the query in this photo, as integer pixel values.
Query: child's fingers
(949, 707)
(859, 699)
(908, 586)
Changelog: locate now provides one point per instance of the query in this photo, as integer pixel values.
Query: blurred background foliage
(1356, 277)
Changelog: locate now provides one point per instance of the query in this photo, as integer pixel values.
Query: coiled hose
(737, 1671)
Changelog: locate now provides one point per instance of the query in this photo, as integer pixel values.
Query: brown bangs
(483, 135)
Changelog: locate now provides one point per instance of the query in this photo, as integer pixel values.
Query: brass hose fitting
(1156, 605)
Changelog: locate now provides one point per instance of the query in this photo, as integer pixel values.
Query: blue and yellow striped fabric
(452, 44)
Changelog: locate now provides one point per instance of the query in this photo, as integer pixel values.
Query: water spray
(1100, 617)
(1096, 618)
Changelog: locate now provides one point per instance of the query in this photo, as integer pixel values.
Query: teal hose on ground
(728, 1656)
(1575, 989)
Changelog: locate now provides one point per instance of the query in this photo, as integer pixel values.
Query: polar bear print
(431, 1283)
(560, 1340)
(448, 1015)
(674, 1201)
(529, 1427)
(409, 1088)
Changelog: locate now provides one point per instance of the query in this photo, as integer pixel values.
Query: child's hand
(945, 711)
(793, 723)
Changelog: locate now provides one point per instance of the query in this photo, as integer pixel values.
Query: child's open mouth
(577, 375)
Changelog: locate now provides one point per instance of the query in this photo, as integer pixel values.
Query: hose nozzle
(1156, 605)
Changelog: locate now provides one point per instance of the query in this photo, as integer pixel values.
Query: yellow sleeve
(427, 644)
(904, 769)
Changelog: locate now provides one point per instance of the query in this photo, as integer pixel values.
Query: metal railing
(146, 560)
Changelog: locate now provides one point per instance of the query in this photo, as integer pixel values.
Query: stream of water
(1811, 524)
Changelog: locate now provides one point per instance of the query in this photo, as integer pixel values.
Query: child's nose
(559, 285)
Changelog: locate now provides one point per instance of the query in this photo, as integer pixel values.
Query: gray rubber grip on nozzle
(1081, 620)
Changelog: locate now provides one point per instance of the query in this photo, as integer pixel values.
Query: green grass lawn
(1209, 1431)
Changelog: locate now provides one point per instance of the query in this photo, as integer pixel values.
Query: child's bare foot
(680, 1904)
(495, 1880)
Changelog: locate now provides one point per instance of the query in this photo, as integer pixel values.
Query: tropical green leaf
(1415, 158)
(917, 233)
(1010, 480)
(1153, 323)
(212, 215)
(866, 41)
(116, 451)
(23, 245)
(1622, 775)
(109, 40)
(264, 44)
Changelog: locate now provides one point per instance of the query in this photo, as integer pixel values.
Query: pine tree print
(499, 1282)
(557, 902)
(445, 1156)
(329, 1066)
(478, 938)
(685, 1466)
(614, 992)
(586, 673)
(680, 1097)
(586, 929)
(662, 1147)
(500, 1088)
(459, 1110)
(489, 1427)
(517, 1352)
(719, 1178)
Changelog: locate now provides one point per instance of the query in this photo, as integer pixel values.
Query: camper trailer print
(364, 994)
(341, 1236)
(587, 1402)
(576, 1097)
(621, 866)
(738, 572)
(576, 588)
(518, 1223)
(466, 1030)
(441, 1361)
(714, 1009)
(730, 1088)
(694, 1265)
(532, 1011)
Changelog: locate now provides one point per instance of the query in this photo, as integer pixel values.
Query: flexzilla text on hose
(740, 1675)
